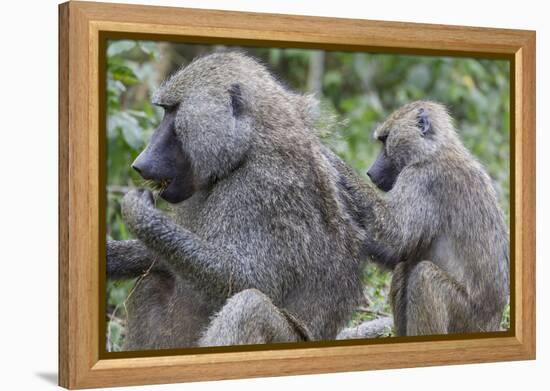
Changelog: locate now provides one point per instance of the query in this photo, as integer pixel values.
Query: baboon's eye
(383, 138)
(170, 108)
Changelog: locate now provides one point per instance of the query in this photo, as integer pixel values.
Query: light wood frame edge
(79, 24)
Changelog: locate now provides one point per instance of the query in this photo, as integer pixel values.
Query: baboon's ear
(423, 122)
(237, 102)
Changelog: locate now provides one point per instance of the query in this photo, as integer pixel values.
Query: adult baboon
(439, 227)
(263, 241)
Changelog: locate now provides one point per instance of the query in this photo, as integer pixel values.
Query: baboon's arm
(130, 259)
(401, 223)
(394, 222)
(209, 267)
(354, 191)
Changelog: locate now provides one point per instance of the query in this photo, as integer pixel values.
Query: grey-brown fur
(439, 228)
(268, 247)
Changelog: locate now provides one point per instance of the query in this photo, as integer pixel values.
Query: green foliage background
(356, 90)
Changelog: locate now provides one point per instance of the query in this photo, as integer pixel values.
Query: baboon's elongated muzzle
(383, 172)
(165, 164)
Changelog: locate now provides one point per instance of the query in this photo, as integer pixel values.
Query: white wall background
(28, 207)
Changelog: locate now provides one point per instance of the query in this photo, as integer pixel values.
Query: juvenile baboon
(438, 226)
(263, 240)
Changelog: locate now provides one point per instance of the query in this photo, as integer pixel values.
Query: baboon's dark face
(165, 163)
(383, 172)
(406, 137)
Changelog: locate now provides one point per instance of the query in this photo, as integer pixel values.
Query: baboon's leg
(436, 303)
(398, 297)
(249, 317)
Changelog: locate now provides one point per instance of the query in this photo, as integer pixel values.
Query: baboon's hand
(138, 208)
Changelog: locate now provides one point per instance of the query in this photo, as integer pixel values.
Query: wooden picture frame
(83, 30)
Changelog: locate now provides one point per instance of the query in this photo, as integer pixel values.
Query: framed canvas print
(247, 195)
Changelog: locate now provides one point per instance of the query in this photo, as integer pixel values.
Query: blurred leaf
(419, 76)
(151, 48)
(122, 73)
(332, 77)
(129, 126)
(118, 47)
